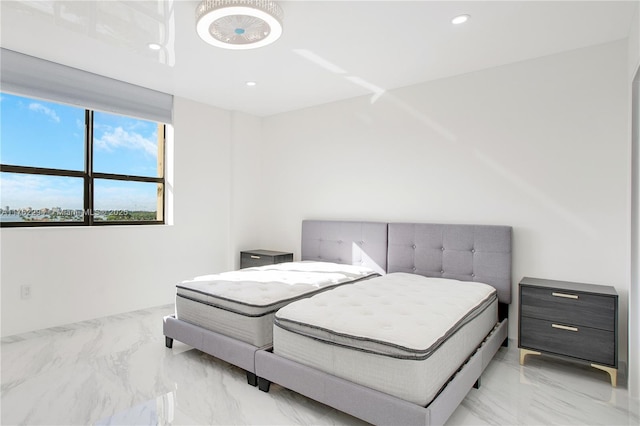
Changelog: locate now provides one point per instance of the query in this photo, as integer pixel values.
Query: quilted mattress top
(265, 288)
(399, 314)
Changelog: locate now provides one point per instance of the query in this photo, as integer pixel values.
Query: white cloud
(40, 191)
(120, 138)
(36, 107)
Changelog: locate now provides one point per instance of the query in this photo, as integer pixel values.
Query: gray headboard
(354, 243)
(463, 252)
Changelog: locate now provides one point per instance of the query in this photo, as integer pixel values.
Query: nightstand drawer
(580, 309)
(250, 261)
(561, 338)
(252, 258)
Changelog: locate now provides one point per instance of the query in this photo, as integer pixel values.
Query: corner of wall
(633, 372)
(634, 44)
(246, 185)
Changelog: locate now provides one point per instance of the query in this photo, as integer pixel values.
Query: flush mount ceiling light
(239, 24)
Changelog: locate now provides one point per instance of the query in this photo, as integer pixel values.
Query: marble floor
(117, 371)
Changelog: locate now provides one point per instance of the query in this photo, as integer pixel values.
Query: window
(64, 165)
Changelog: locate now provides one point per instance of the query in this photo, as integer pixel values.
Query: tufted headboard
(463, 252)
(354, 243)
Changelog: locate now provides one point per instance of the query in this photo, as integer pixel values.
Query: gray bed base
(233, 351)
(373, 406)
(465, 252)
(345, 242)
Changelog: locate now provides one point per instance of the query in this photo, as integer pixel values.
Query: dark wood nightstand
(251, 258)
(574, 320)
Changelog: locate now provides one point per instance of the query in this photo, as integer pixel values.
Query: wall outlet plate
(25, 291)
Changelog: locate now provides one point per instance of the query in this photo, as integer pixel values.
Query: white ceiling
(330, 50)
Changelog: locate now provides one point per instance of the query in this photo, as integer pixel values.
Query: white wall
(246, 184)
(634, 290)
(541, 145)
(82, 273)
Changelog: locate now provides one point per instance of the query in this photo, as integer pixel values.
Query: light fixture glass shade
(239, 24)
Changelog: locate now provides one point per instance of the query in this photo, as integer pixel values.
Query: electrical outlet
(25, 291)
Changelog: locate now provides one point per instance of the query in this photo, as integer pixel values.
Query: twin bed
(408, 319)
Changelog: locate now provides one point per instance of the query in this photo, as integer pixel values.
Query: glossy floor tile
(117, 371)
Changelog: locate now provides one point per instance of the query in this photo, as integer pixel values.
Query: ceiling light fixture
(154, 46)
(460, 19)
(251, 83)
(239, 24)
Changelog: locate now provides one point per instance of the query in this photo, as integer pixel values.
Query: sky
(37, 133)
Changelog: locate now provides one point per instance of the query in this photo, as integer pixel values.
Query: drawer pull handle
(564, 327)
(255, 257)
(565, 295)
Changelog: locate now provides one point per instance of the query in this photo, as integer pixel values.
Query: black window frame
(89, 176)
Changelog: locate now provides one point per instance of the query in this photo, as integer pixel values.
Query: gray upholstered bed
(233, 329)
(454, 252)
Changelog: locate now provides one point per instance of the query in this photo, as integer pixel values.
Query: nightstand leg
(613, 372)
(525, 352)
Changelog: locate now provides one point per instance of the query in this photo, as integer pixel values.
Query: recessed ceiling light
(251, 83)
(154, 46)
(460, 19)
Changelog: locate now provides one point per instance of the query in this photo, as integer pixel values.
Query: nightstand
(251, 258)
(573, 320)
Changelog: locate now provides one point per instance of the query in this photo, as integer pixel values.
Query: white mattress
(241, 303)
(402, 334)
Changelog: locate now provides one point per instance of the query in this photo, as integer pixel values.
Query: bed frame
(465, 252)
(345, 242)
